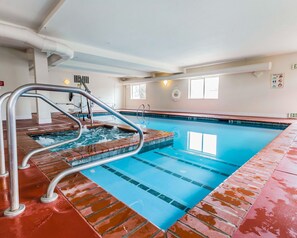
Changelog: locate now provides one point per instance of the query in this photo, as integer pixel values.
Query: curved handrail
(142, 108)
(149, 108)
(17, 208)
(25, 164)
(3, 171)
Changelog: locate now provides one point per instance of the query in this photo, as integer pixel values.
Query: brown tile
(104, 211)
(87, 193)
(225, 206)
(220, 212)
(85, 205)
(213, 221)
(181, 230)
(117, 219)
(146, 231)
(202, 228)
(223, 196)
(125, 228)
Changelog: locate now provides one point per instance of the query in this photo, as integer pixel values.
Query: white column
(41, 76)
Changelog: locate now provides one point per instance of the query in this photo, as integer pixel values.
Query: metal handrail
(90, 110)
(3, 171)
(17, 208)
(142, 111)
(147, 110)
(25, 164)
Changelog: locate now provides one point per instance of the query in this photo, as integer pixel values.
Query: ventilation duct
(253, 68)
(57, 52)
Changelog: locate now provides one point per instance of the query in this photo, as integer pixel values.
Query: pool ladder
(141, 112)
(15, 207)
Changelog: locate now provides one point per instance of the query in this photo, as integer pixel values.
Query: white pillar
(41, 76)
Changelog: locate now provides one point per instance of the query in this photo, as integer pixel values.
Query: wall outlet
(292, 115)
(294, 66)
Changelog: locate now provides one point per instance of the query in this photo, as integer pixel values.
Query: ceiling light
(165, 82)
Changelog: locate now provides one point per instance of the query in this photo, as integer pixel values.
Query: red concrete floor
(258, 200)
(58, 219)
(274, 214)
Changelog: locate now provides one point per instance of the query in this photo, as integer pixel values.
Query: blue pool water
(162, 184)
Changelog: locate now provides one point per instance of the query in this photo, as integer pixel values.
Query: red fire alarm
(1, 83)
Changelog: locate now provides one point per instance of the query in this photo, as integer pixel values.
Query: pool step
(183, 169)
(198, 160)
(138, 196)
(185, 178)
(160, 181)
(206, 157)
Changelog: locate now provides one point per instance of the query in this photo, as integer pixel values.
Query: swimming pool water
(163, 184)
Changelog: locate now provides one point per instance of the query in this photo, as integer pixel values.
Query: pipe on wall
(58, 51)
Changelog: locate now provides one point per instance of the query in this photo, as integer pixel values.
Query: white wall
(241, 94)
(14, 71)
(107, 89)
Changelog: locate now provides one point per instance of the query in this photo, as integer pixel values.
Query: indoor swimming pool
(162, 184)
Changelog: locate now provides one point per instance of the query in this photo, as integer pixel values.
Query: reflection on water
(202, 142)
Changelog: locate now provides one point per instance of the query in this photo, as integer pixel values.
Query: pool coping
(85, 154)
(219, 214)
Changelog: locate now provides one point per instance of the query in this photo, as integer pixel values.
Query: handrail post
(15, 207)
(88, 102)
(3, 172)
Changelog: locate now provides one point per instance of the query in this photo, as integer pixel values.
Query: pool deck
(257, 200)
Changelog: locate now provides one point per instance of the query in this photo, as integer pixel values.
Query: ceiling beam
(51, 13)
(119, 72)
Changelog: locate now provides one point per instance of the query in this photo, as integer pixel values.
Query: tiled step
(138, 195)
(162, 182)
(207, 161)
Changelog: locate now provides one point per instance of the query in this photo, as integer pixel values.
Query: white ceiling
(153, 35)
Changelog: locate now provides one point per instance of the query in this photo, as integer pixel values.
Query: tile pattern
(232, 209)
(230, 119)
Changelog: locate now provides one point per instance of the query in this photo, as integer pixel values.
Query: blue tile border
(271, 125)
(148, 189)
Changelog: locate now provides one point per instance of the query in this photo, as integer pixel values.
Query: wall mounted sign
(81, 78)
(277, 80)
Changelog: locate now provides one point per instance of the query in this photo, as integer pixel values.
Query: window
(206, 143)
(207, 88)
(138, 91)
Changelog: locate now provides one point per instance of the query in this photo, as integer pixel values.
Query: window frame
(204, 88)
(132, 94)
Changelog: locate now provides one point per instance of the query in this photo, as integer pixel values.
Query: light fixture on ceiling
(165, 82)
(66, 81)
